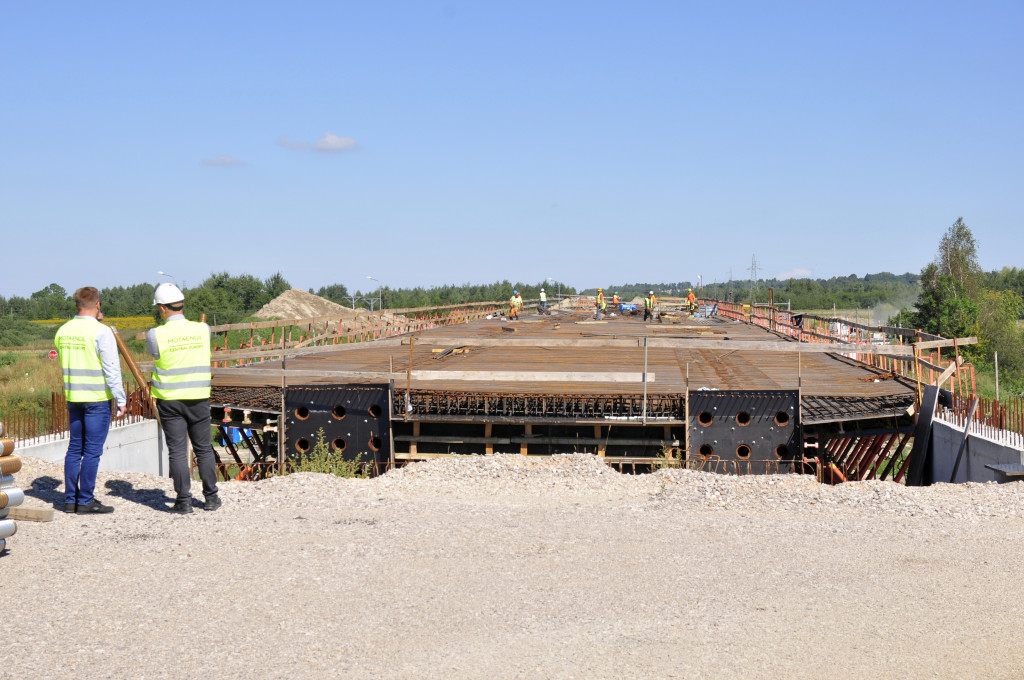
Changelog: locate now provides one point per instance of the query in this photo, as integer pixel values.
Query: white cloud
(291, 144)
(330, 142)
(223, 161)
(795, 274)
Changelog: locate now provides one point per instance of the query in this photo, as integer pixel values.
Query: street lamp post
(171, 277)
(380, 293)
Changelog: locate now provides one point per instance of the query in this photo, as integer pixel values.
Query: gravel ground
(507, 567)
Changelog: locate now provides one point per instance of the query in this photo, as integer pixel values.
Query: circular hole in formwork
(781, 418)
(706, 450)
(743, 419)
(375, 411)
(781, 451)
(338, 412)
(302, 412)
(375, 443)
(743, 451)
(302, 445)
(339, 444)
(705, 418)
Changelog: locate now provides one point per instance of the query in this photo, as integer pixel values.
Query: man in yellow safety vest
(600, 304)
(92, 377)
(181, 387)
(514, 305)
(649, 303)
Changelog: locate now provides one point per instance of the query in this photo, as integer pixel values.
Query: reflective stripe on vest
(80, 362)
(183, 369)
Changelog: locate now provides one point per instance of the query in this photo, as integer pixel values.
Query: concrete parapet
(981, 449)
(138, 447)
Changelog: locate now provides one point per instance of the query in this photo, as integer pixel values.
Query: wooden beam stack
(10, 495)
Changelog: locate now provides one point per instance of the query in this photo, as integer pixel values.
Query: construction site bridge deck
(568, 366)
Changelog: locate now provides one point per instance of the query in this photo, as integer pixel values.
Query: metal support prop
(963, 444)
(645, 381)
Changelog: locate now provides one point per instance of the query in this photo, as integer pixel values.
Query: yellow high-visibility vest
(80, 362)
(183, 369)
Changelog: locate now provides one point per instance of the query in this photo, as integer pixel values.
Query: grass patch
(26, 382)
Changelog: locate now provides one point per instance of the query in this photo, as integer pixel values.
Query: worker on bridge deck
(543, 301)
(600, 304)
(691, 301)
(617, 302)
(649, 303)
(515, 305)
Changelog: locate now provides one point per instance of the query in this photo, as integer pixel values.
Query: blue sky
(427, 143)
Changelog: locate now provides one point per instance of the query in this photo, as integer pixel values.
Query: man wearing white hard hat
(181, 387)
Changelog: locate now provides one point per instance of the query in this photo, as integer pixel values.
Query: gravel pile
(511, 567)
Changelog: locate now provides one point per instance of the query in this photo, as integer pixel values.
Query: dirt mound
(298, 304)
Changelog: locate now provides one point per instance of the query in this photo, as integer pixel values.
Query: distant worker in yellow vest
(649, 303)
(513, 305)
(691, 301)
(543, 301)
(181, 387)
(92, 377)
(600, 304)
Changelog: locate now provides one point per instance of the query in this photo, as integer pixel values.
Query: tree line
(841, 292)
(227, 298)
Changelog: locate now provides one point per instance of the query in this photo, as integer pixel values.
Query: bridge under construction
(730, 390)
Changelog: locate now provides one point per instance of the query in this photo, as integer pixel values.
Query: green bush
(320, 459)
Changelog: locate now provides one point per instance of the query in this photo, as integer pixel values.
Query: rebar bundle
(10, 495)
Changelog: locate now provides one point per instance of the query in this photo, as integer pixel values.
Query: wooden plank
(424, 375)
(30, 513)
(534, 376)
(889, 330)
(950, 342)
(676, 343)
(949, 371)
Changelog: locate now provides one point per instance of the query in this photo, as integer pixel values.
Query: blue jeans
(89, 422)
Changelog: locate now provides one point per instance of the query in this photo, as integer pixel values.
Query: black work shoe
(70, 507)
(212, 503)
(94, 508)
(182, 507)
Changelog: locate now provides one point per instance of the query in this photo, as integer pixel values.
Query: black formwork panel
(356, 420)
(750, 430)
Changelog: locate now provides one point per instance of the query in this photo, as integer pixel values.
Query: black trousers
(183, 420)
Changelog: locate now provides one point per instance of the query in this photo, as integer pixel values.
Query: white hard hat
(651, 293)
(167, 294)
(542, 290)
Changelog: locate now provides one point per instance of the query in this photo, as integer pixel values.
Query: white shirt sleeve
(106, 347)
